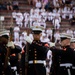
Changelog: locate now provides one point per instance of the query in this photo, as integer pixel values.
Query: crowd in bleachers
(44, 11)
(41, 13)
(9, 5)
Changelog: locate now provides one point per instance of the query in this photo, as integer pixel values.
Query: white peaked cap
(4, 32)
(65, 35)
(72, 40)
(37, 28)
(51, 44)
(11, 44)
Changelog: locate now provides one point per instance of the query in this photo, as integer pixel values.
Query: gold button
(35, 51)
(34, 48)
(38, 41)
(2, 71)
(35, 61)
(59, 62)
(35, 57)
(29, 50)
(35, 54)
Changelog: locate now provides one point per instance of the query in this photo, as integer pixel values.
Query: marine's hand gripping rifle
(6, 63)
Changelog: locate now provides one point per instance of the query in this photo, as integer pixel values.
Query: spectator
(66, 11)
(55, 3)
(44, 15)
(74, 33)
(73, 2)
(57, 36)
(67, 2)
(43, 23)
(32, 16)
(60, 10)
(9, 5)
(22, 39)
(73, 21)
(31, 36)
(57, 21)
(60, 2)
(50, 16)
(16, 32)
(19, 18)
(47, 5)
(63, 1)
(31, 11)
(24, 33)
(54, 10)
(26, 19)
(15, 5)
(49, 33)
(70, 31)
(1, 6)
(36, 11)
(42, 9)
(38, 4)
(17, 42)
(34, 2)
(14, 14)
(4, 5)
(44, 2)
(29, 1)
(45, 38)
(73, 8)
(70, 14)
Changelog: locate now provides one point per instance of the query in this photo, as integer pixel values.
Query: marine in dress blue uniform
(39, 55)
(65, 55)
(4, 37)
(72, 45)
(62, 57)
(14, 57)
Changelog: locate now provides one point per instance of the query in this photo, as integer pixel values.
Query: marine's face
(4, 40)
(65, 42)
(72, 45)
(37, 36)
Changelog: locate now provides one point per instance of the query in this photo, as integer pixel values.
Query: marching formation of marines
(37, 57)
(8, 54)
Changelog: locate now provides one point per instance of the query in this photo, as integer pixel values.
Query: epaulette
(46, 45)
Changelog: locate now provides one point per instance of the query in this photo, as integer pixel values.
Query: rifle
(26, 54)
(26, 59)
(8, 51)
(53, 39)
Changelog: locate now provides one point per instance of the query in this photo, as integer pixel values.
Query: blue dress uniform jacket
(62, 61)
(73, 67)
(14, 59)
(65, 61)
(2, 58)
(14, 55)
(36, 57)
(7, 70)
(55, 61)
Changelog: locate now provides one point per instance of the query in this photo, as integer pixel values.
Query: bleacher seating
(24, 7)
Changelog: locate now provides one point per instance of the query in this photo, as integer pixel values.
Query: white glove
(28, 39)
(11, 44)
(51, 44)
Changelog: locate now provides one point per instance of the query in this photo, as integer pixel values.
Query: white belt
(14, 68)
(36, 62)
(73, 67)
(2, 63)
(66, 65)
